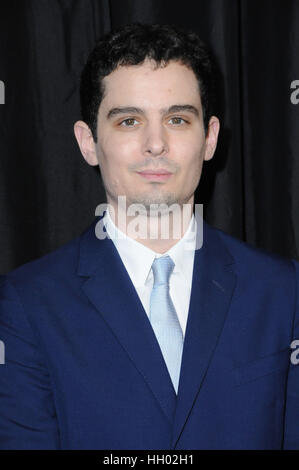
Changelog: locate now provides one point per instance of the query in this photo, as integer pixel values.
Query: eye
(130, 122)
(177, 121)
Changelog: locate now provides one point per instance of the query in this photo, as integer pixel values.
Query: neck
(158, 231)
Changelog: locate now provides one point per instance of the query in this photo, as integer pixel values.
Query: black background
(48, 193)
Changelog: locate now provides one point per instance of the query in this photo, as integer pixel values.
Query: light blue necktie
(164, 319)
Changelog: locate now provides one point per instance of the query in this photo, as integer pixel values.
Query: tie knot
(162, 268)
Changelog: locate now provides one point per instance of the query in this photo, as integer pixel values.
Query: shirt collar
(138, 258)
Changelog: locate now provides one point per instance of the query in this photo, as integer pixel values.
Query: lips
(155, 175)
(155, 172)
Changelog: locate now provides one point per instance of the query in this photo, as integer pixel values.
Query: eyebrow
(176, 108)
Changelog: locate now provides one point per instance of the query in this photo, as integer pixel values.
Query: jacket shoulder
(58, 263)
(258, 261)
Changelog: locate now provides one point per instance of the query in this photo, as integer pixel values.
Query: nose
(155, 140)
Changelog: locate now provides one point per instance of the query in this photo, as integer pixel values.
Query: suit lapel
(213, 284)
(110, 289)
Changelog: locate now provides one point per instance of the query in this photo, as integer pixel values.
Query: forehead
(149, 85)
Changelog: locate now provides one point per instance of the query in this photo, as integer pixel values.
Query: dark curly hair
(131, 45)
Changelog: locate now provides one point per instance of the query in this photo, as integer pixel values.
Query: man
(122, 340)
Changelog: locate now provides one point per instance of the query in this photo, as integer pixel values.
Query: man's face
(150, 120)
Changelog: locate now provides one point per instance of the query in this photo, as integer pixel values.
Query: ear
(86, 143)
(212, 137)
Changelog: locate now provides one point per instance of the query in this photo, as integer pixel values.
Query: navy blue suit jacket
(83, 369)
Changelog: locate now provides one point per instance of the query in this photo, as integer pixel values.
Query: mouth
(158, 175)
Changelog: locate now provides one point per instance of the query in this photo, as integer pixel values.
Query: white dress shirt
(138, 260)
